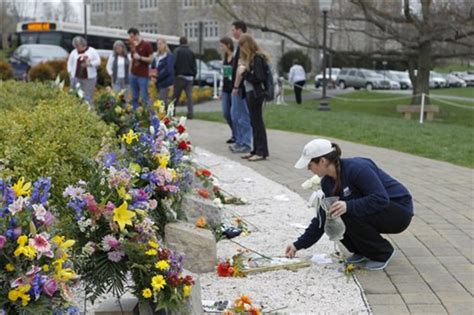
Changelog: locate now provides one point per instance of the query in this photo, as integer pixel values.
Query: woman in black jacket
(255, 61)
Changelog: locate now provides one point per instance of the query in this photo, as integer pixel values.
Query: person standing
(297, 78)
(256, 63)
(371, 203)
(142, 56)
(185, 71)
(118, 66)
(164, 65)
(239, 110)
(82, 67)
(227, 47)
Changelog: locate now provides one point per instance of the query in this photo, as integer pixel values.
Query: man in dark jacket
(185, 71)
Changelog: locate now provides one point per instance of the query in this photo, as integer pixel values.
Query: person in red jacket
(142, 57)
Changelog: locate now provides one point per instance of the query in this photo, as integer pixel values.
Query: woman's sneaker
(355, 258)
(378, 265)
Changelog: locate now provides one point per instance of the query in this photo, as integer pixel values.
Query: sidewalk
(432, 272)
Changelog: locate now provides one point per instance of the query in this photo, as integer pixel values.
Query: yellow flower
(135, 167)
(122, 192)
(129, 137)
(153, 244)
(350, 268)
(28, 250)
(173, 173)
(123, 216)
(9, 267)
(22, 189)
(151, 252)
(187, 290)
(158, 282)
(163, 159)
(162, 265)
(146, 293)
(158, 105)
(45, 268)
(20, 293)
(64, 275)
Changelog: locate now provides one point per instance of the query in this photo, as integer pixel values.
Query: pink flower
(152, 203)
(91, 203)
(40, 243)
(115, 256)
(34, 270)
(40, 212)
(49, 219)
(3, 241)
(50, 287)
(109, 242)
(17, 205)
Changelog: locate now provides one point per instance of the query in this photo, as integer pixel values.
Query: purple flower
(115, 256)
(3, 241)
(110, 159)
(40, 192)
(109, 242)
(50, 287)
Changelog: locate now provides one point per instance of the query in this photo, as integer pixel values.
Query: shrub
(60, 68)
(41, 72)
(103, 78)
(210, 54)
(24, 95)
(6, 70)
(286, 60)
(56, 137)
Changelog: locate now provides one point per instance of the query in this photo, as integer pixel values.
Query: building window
(190, 3)
(149, 28)
(147, 4)
(98, 7)
(210, 29)
(208, 3)
(116, 5)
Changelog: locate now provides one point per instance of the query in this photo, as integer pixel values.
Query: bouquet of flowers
(112, 107)
(35, 269)
(243, 305)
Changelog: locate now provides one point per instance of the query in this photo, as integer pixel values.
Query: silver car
(361, 78)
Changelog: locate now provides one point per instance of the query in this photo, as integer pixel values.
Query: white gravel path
(274, 210)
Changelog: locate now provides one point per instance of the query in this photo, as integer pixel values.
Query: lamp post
(325, 6)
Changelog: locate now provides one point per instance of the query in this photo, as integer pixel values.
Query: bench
(407, 110)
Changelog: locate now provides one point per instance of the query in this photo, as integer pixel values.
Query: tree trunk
(421, 82)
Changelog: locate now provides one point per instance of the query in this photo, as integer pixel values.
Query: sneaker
(231, 140)
(355, 258)
(235, 148)
(378, 265)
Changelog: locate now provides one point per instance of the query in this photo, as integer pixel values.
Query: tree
(419, 33)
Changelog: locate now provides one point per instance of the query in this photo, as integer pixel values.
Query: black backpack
(268, 84)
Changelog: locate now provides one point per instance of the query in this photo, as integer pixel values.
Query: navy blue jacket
(165, 69)
(366, 189)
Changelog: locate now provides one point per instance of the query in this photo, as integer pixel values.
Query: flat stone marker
(112, 307)
(196, 206)
(197, 245)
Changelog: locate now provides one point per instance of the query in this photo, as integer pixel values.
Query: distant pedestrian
(239, 110)
(185, 71)
(118, 68)
(297, 78)
(142, 56)
(164, 65)
(256, 63)
(82, 67)
(227, 47)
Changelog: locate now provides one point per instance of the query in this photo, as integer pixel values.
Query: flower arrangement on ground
(243, 305)
(35, 269)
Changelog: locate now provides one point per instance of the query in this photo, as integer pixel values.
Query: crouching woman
(370, 202)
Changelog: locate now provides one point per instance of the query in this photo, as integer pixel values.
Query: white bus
(62, 33)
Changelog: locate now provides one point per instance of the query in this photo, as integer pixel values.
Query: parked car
(395, 80)
(403, 79)
(361, 78)
(334, 72)
(29, 55)
(467, 77)
(454, 81)
(205, 75)
(437, 80)
(215, 65)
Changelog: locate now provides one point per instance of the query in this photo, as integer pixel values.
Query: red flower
(184, 145)
(173, 280)
(203, 193)
(188, 280)
(180, 128)
(206, 173)
(166, 121)
(224, 269)
(198, 173)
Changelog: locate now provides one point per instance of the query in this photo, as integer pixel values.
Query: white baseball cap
(314, 149)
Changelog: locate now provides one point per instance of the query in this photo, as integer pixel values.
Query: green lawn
(448, 138)
(453, 67)
(463, 92)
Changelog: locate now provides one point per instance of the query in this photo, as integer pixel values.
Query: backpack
(268, 84)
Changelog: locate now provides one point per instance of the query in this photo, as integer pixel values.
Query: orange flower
(203, 193)
(245, 299)
(201, 222)
(254, 311)
(228, 312)
(238, 220)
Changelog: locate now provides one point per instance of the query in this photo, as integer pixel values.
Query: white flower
(89, 248)
(218, 202)
(40, 212)
(17, 205)
(313, 183)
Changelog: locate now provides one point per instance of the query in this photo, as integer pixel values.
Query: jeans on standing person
(260, 144)
(139, 87)
(87, 86)
(226, 110)
(120, 85)
(181, 84)
(298, 86)
(241, 122)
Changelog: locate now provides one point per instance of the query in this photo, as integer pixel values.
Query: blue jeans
(226, 108)
(139, 86)
(241, 122)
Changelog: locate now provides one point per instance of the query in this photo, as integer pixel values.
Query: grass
(452, 67)
(462, 92)
(448, 138)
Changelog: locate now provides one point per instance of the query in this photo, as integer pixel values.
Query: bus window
(50, 38)
(28, 38)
